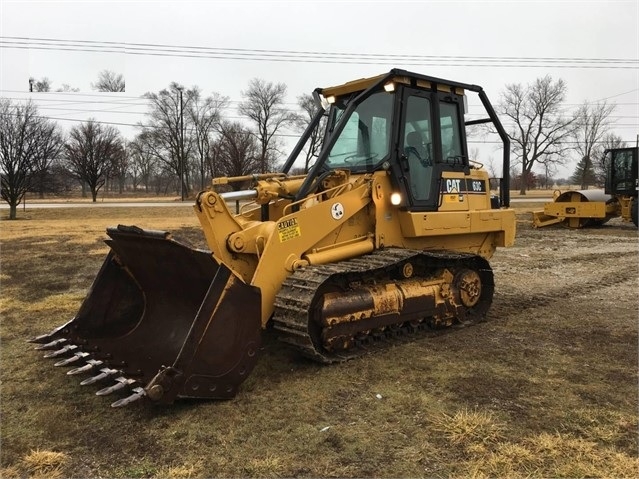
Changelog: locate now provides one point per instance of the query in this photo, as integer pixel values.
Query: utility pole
(180, 89)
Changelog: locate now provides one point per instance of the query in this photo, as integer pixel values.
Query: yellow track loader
(580, 208)
(388, 234)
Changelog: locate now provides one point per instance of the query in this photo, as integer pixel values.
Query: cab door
(622, 171)
(416, 150)
(432, 149)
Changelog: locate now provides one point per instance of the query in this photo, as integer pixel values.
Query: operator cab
(414, 129)
(406, 123)
(621, 171)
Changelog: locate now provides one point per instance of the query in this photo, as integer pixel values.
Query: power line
(618, 94)
(152, 45)
(281, 135)
(148, 49)
(117, 112)
(116, 101)
(167, 47)
(146, 102)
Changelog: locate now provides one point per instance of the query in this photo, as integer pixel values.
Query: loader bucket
(161, 321)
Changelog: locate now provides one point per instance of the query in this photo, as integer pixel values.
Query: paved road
(135, 204)
(99, 205)
(531, 200)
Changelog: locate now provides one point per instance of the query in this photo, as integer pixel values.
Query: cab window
(417, 146)
(451, 138)
(365, 138)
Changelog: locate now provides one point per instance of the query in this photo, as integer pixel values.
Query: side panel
(465, 225)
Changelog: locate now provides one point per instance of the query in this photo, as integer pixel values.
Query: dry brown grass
(180, 472)
(468, 427)
(552, 455)
(511, 397)
(11, 472)
(45, 464)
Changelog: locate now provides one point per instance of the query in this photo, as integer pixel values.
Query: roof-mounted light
(330, 99)
(320, 100)
(389, 87)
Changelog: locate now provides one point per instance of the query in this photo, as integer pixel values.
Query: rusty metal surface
(158, 304)
(320, 332)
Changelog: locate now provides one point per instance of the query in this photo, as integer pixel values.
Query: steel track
(295, 303)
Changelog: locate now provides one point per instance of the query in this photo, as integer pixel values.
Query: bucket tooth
(104, 373)
(72, 359)
(138, 393)
(45, 338)
(91, 364)
(52, 345)
(39, 339)
(121, 383)
(61, 352)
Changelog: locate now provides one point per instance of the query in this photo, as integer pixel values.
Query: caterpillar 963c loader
(580, 208)
(389, 233)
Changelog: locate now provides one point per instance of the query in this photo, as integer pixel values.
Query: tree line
(545, 134)
(186, 139)
(108, 81)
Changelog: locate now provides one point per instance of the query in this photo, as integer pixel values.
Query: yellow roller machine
(580, 208)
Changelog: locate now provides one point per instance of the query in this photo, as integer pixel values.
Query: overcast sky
(522, 40)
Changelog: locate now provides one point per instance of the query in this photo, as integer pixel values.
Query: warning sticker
(288, 229)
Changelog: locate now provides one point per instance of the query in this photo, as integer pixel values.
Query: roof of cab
(398, 76)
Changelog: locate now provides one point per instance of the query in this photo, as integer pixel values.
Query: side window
(623, 174)
(417, 146)
(451, 138)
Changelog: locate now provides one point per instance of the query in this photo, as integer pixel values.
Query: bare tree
(109, 81)
(90, 151)
(119, 167)
(167, 131)
(42, 178)
(205, 116)
(42, 85)
(591, 127)
(550, 169)
(540, 130)
(264, 105)
(237, 151)
(309, 108)
(45, 85)
(28, 145)
(143, 163)
(67, 88)
(213, 159)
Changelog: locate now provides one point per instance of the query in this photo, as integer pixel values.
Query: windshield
(365, 138)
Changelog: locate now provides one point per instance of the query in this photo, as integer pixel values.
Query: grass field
(547, 387)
